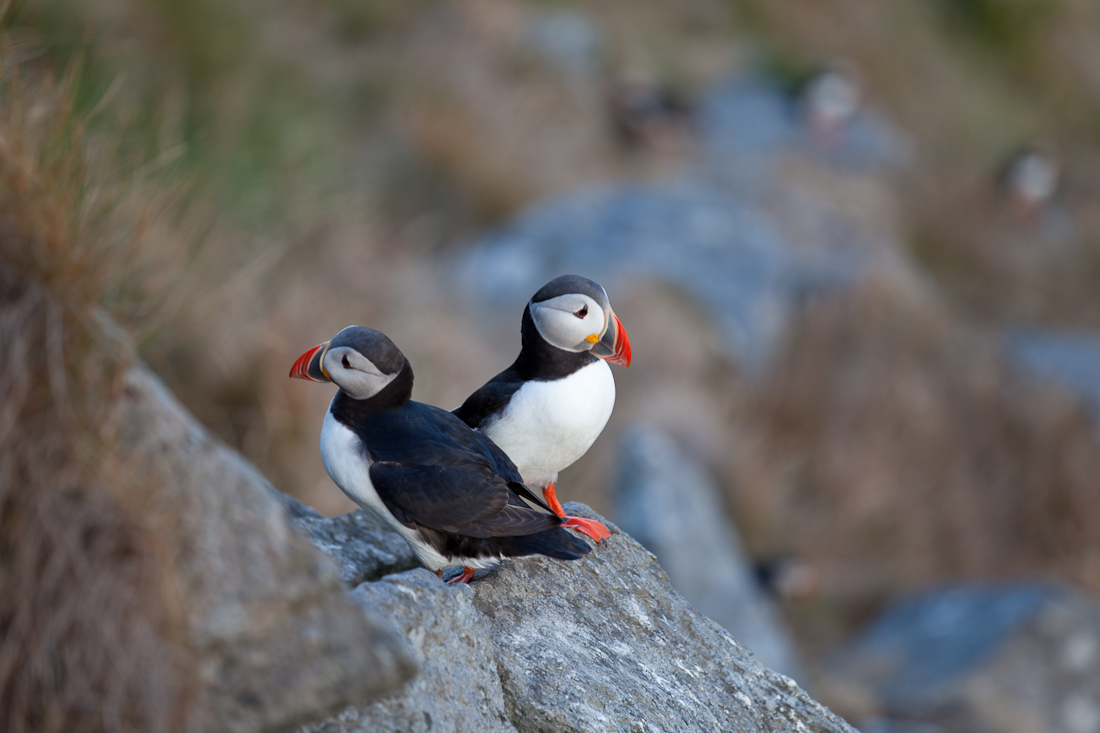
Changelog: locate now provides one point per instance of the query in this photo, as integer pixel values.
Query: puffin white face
(354, 373)
(572, 322)
(572, 313)
(360, 361)
(834, 96)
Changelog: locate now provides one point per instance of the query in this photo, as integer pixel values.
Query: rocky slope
(602, 644)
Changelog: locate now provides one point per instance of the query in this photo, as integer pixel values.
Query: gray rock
(1067, 358)
(458, 688)
(1005, 658)
(571, 43)
(601, 644)
(746, 122)
(362, 545)
(275, 638)
(666, 501)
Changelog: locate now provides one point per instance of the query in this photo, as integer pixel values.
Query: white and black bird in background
(1029, 179)
(830, 100)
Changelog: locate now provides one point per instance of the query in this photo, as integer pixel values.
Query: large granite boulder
(979, 658)
(666, 501)
(275, 638)
(600, 644)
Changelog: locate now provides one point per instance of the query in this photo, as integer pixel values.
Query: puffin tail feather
(555, 542)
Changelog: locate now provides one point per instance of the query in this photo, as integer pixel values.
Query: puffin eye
(344, 361)
(582, 312)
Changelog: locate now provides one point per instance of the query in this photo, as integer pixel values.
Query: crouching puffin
(448, 490)
(548, 408)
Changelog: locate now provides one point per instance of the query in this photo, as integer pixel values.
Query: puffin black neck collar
(541, 361)
(349, 411)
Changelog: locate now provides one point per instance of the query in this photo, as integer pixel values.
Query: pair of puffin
(455, 484)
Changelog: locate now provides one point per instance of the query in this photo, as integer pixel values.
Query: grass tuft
(88, 637)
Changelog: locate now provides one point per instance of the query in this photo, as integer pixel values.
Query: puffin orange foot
(463, 577)
(592, 528)
(551, 497)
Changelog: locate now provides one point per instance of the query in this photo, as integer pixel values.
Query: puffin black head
(358, 360)
(573, 313)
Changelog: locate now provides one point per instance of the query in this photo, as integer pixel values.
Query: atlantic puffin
(452, 494)
(646, 114)
(547, 409)
(1029, 180)
(830, 101)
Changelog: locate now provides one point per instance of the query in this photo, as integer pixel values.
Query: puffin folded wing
(474, 503)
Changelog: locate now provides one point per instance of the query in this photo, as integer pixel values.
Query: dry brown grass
(88, 633)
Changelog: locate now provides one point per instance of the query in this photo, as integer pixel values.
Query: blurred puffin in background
(547, 409)
(646, 114)
(829, 101)
(451, 493)
(1028, 180)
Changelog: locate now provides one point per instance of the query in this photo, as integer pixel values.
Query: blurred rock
(275, 637)
(1069, 359)
(602, 644)
(746, 122)
(362, 545)
(571, 43)
(893, 725)
(666, 501)
(983, 658)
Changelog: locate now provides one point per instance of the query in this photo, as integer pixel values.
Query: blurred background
(856, 247)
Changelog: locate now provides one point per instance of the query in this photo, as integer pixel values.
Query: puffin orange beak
(310, 365)
(614, 345)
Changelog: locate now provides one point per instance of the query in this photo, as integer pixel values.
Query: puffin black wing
(470, 503)
(431, 469)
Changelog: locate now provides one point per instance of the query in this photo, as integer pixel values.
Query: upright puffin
(547, 409)
(452, 494)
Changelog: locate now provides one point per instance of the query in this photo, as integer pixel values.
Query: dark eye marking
(582, 312)
(345, 362)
